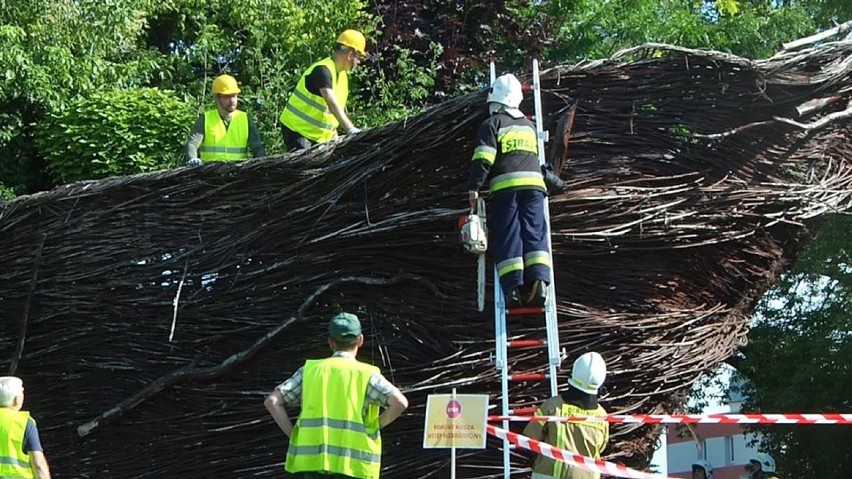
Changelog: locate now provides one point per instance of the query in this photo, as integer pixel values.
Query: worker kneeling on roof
(584, 438)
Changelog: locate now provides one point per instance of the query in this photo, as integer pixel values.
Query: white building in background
(726, 446)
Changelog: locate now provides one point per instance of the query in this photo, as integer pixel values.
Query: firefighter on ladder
(506, 156)
(585, 438)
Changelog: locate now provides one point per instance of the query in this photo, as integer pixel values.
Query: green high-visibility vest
(332, 433)
(221, 143)
(308, 114)
(14, 462)
(585, 438)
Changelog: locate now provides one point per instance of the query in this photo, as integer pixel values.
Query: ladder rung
(527, 343)
(527, 377)
(525, 411)
(525, 310)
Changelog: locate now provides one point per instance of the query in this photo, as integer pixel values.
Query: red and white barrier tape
(692, 418)
(568, 457)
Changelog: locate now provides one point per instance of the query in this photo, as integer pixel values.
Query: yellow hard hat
(353, 39)
(225, 85)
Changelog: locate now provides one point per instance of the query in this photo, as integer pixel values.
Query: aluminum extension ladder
(547, 313)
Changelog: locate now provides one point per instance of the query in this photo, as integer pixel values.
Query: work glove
(472, 200)
(195, 162)
(554, 183)
(354, 130)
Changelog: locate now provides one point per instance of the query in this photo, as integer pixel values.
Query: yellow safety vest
(224, 144)
(332, 435)
(308, 114)
(583, 438)
(14, 462)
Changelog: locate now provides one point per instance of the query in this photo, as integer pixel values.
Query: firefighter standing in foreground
(585, 438)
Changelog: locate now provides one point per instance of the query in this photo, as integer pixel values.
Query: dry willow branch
(190, 372)
(19, 351)
(661, 249)
(831, 32)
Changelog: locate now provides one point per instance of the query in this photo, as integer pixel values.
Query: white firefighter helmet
(708, 469)
(767, 463)
(473, 237)
(10, 388)
(506, 90)
(589, 373)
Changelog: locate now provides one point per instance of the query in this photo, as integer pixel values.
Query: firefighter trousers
(517, 232)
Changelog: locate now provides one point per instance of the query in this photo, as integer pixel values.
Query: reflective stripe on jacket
(308, 114)
(332, 433)
(221, 143)
(507, 155)
(14, 462)
(584, 438)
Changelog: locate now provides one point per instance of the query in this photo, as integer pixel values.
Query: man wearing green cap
(337, 432)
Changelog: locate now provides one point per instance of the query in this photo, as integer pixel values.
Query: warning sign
(455, 421)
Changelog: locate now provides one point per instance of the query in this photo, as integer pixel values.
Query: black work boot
(513, 299)
(538, 293)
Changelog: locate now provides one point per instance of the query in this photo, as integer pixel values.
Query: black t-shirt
(319, 78)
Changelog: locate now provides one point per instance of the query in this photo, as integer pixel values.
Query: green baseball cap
(344, 326)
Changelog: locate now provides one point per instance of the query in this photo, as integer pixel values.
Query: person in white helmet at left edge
(587, 438)
(761, 466)
(702, 469)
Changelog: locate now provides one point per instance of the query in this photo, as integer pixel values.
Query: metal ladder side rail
(549, 310)
(501, 343)
(551, 322)
(502, 364)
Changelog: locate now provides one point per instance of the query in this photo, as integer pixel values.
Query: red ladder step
(521, 377)
(525, 310)
(527, 343)
(524, 411)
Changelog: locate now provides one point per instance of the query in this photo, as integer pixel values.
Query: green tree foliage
(52, 51)
(799, 356)
(391, 94)
(55, 53)
(560, 31)
(468, 33)
(6, 193)
(120, 132)
(591, 29)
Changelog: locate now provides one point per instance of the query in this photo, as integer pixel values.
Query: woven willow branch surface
(696, 179)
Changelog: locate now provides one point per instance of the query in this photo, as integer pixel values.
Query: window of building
(729, 450)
